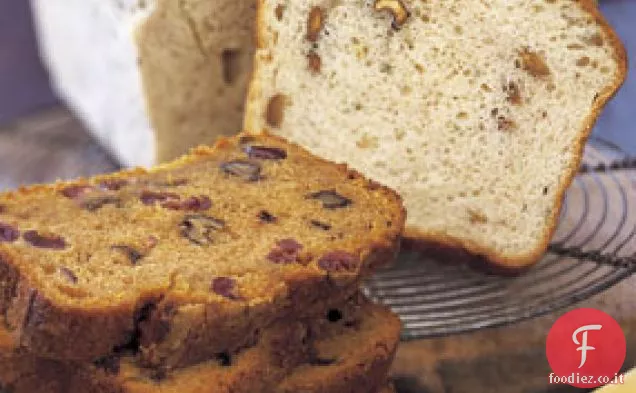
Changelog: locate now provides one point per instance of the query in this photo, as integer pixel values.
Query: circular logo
(585, 348)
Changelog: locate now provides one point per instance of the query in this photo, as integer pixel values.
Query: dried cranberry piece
(95, 203)
(289, 245)
(73, 192)
(3, 209)
(225, 286)
(265, 153)
(331, 199)
(113, 184)
(8, 233)
(246, 170)
(133, 255)
(68, 274)
(266, 216)
(190, 204)
(150, 197)
(36, 239)
(338, 261)
(285, 252)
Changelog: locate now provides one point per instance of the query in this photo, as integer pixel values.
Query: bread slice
(351, 353)
(475, 111)
(153, 78)
(192, 258)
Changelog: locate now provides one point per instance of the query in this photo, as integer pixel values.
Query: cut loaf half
(149, 78)
(475, 111)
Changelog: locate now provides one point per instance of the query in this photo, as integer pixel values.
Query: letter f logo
(583, 344)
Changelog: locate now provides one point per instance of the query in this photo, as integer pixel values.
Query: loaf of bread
(191, 258)
(150, 78)
(475, 111)
(350, 350)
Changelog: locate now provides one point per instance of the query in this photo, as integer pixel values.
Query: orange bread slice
(192, 258)
(350, 350)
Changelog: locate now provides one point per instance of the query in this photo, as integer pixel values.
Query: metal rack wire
(593, 248)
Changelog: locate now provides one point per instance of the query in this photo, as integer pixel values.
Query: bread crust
(50, 328)
(516, 264)
(281, 363)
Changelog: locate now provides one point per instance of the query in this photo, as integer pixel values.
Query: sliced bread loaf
(351, 350)
(192, 258)
(151, 79)
(475, 111)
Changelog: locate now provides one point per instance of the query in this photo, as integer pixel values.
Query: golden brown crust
(52, 328)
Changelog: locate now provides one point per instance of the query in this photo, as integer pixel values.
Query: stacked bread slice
(233, 269)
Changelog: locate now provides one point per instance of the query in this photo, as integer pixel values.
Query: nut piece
(477, 217)
(338, 261)
(199, 228)
(320, 225)
(331, 199)
(396, 8)
(246, 170)
(194, 204)
(113, 184)
(68, 274)
(225, 286)
(275, 110)
(506, 124)
(150, 197)
(533, 64)
(97, 202)
(266, 216)
(513, 93)
(8, 233)
(314, 63)
(279, 12)
(50, 241)
(286, 251)
(265, 153)
(315, 23)
(133, 255)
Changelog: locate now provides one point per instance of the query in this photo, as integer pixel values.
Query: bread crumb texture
(254, 224)
(466, 106)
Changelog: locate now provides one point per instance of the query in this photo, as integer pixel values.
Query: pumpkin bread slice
(192, 258)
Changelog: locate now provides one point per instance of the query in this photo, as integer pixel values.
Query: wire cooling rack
(593, 248)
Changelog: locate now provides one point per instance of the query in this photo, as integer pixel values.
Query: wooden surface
(52, 144)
